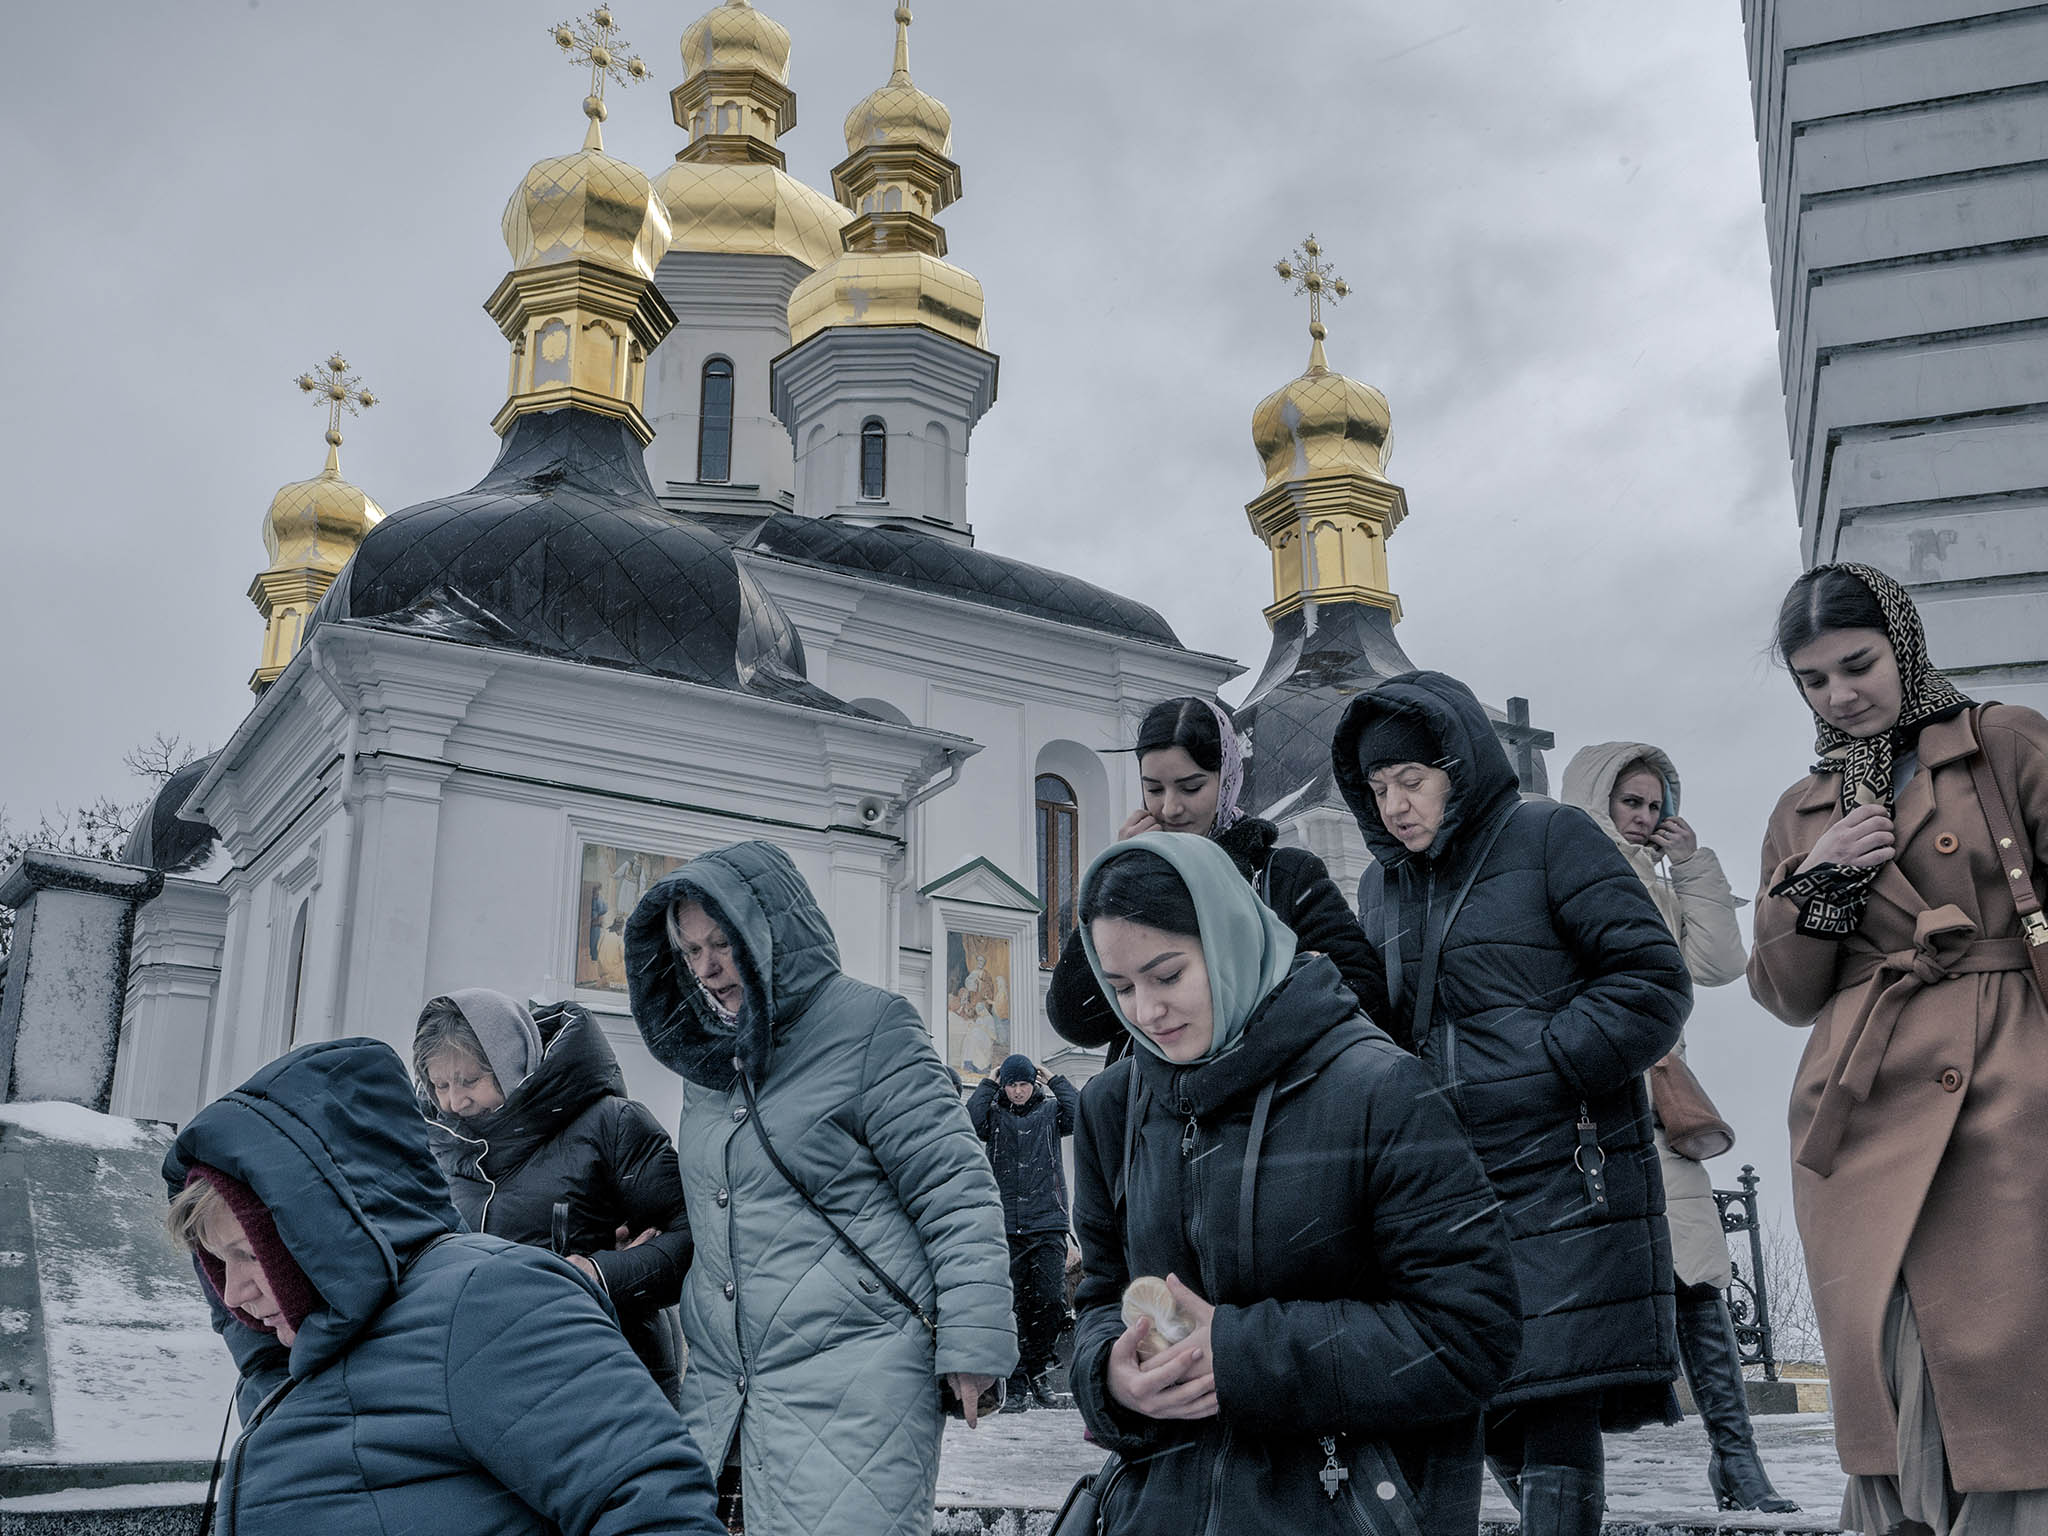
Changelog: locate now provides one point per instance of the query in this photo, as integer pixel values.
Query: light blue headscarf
(1247, 950)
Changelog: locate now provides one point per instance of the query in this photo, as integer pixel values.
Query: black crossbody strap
(1247, 1253)
(1390, 939)
(1433, 941)
(859, 1253)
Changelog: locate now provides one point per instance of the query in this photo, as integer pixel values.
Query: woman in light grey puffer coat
(804, 1373)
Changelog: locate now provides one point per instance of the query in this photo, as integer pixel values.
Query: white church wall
(174, 978)
(735, 307)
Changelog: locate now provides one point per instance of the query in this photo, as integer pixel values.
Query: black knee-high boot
(1713, 1365)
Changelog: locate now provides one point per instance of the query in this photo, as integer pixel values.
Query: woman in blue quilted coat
(398, 1373)
(811, 1384)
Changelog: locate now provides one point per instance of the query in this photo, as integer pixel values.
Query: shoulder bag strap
(1390, 937)
(859, 1253)
(1247, 1254)
(2015, 857)
(1433, 941)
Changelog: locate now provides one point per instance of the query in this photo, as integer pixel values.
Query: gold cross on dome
(595, 40)
(339, 390)
(1315, 277)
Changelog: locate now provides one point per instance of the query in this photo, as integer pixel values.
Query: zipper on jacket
(1213, 1526)
(483, 1219)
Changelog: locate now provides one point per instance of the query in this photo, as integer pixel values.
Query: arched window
(714, 422)
(874, 461)
(1059, 851)
(296, 974)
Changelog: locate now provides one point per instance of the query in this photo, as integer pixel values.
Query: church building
(721, 583)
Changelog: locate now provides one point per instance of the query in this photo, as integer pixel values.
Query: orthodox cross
(337, 389)
(1315, 277)
(595, 40)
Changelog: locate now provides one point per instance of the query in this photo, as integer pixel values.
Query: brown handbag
(2015, 857)
(1692, 1126)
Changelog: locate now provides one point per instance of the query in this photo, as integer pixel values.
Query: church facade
(721, 583)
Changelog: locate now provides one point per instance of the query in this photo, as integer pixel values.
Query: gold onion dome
(587, 206)
(900, 113)
(1323, 424)
(728, 192)
(898, 176)
(312, 528)
(736, 36)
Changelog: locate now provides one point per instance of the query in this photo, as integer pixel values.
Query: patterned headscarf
(1230, 776)
(1833, 896)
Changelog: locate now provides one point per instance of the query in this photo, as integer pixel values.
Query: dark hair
(1188, 723)
(1822, 602)
(1141, 887)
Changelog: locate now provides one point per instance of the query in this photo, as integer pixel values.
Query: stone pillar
(67, 978)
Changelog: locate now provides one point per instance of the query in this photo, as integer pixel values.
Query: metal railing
(1748, 1299)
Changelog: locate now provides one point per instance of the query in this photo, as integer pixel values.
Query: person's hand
(584, 1264)
(1140, 820)
(1675, 839)
(624, 1232)
(1044, 1078)
(1861, 839)
(1179, 1384)
(968, 1387)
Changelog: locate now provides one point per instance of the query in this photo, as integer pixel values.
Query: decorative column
(60, 1005)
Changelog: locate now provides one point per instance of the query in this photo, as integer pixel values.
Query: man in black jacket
(1022, 1113)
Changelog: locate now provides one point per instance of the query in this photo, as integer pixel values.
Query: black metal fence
(1748, 1299)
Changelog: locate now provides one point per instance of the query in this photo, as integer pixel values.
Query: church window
(1059, 865)
(714, 422)
(874, 461)
(295, 974)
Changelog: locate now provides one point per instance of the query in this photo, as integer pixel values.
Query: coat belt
(1945, 945)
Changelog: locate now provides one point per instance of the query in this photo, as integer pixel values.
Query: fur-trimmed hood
(781, 943)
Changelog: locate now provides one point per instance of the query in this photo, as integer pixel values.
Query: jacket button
(722, 1197)
(741, 1383)
(1951, 1079)
(739, 1114)
(1947, 843)
(728, 1290)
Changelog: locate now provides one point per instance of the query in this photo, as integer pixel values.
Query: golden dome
(890, 288)
(736, 36)
(749, 209)
(588, 206)
(316, 524)
(900, 113)
(1323, 424)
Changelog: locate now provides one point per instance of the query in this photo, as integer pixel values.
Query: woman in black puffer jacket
(1331, 1235)
(540, 1145)
(1191, 770)
(1547, 985)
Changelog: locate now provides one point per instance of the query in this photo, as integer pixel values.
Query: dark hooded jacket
(567, 1161)
(828, 1381)
(1292, 881)
(1024, 1149)
(430, 1389)
(1559, 985)
(1375, 1302)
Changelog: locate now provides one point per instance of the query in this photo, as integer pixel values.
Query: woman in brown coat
(1887, 921)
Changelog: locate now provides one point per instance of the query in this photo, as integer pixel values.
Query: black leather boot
(1713, 1366)
(1562, 1501)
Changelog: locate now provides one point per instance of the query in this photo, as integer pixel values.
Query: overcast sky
(1548, 211)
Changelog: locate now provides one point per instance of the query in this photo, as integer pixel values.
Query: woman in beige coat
(1920, 1111)
(1631, 789)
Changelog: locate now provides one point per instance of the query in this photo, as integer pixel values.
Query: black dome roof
(927, 563)
(160, 839)
(1291, 714)
(563, 550)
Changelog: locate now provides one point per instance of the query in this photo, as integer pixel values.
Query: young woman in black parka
(1554, 985)
(1317, 1213)
(540, 1144)
(1191, 771)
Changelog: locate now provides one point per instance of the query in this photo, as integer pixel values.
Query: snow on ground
(1029, 1460)
(123, 1496)
(136, 1372)
(74, 1123)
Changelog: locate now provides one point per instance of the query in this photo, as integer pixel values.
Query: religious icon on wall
(611, 885)
(977, 1003)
